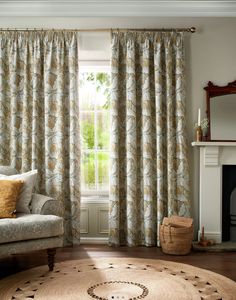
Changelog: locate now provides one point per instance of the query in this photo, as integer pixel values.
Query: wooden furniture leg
(51, 255)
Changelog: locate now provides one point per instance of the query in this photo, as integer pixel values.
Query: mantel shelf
(213, 144)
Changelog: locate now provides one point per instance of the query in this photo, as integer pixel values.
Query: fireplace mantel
(213, 155)
(212, 144)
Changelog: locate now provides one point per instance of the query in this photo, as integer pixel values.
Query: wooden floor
(222, 263)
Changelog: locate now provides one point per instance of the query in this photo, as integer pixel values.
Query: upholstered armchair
(42, 228)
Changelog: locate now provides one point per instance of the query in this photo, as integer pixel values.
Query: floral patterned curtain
(149, 165)
(39, 114)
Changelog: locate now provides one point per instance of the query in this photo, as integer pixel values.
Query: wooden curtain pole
(190, 29)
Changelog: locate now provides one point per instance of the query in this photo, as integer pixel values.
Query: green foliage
(103, 165)
(103, 132)
(88, 169)
(87, 129)
(102, 83)
(103, 139)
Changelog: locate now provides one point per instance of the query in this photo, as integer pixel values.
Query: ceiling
(115, 8)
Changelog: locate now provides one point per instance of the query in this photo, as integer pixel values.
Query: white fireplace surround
(213, 155)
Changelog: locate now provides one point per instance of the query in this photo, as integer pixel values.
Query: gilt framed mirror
(221, 112)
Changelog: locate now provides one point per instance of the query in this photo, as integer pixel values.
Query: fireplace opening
(229, 203)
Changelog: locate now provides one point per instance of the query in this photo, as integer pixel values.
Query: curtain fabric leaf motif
(39, 126)
(149, 173)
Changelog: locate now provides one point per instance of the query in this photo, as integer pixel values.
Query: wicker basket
(176, 239)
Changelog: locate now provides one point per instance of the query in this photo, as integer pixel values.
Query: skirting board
(216, 236)
(94, 240)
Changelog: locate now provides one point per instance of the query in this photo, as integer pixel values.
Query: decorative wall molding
(102, 215)
(84, 223)
(94, 220)
(113, 8)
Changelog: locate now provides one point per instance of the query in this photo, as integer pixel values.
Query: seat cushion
(30, 227)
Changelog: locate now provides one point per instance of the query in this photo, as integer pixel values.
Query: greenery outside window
(94, 101)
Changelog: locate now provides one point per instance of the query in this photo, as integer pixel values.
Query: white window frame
(94, 196)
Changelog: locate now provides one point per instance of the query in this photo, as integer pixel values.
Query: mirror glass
(223, 117)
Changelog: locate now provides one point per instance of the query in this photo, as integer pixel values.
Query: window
(94, 126)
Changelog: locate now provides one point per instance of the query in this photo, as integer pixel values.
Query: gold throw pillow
(9, 194)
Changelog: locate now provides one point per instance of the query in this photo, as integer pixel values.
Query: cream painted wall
(210, 55)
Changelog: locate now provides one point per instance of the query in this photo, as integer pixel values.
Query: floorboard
(222, 263)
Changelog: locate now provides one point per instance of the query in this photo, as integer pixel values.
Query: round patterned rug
(118, 279)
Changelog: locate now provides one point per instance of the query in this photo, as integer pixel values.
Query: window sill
(94, 199)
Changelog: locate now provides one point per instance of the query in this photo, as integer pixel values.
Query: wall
(210, 55)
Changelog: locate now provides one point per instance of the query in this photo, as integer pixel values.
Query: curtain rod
(190, 29)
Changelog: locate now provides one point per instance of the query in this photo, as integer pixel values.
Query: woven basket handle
(162, 234)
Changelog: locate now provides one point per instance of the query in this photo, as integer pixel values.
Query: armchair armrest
(45, 205)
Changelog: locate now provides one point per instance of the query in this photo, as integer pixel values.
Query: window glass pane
(103, 130)
(94, 102)
(103, 170)
(87, 130)
(103, 90)
(88, 181)
(87, 91)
